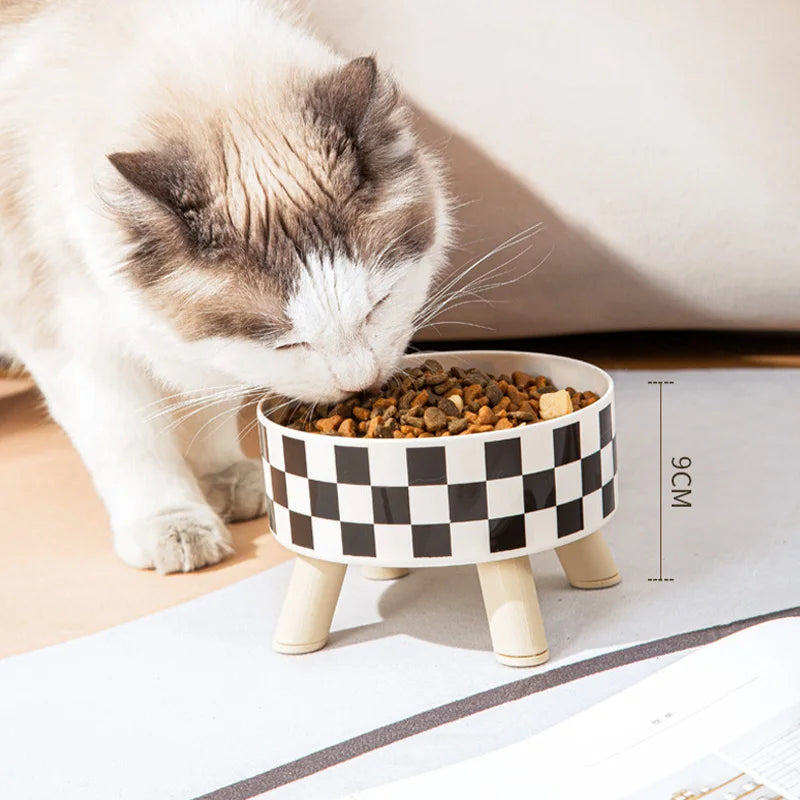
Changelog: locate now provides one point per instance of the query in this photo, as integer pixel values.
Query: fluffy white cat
(199, 199)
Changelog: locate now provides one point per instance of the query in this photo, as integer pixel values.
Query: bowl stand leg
(512, 607)
(384, 573)
(588, 563)
(307, 613)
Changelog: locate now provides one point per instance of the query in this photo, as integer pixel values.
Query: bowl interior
(563, 371)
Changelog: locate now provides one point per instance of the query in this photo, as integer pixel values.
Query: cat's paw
(180, 540)
(237, 493)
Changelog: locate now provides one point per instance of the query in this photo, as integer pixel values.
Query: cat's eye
(378, 305)
(292, 346)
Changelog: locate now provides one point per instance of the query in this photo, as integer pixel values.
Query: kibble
(429, 401)
(486, 416)
(360, 413)
(555, 404)
(457, 424)
(327, 424)
(420, 400)
(494, 393)
(347, 428)
(472, 393)
(435, 419)
(449, 408)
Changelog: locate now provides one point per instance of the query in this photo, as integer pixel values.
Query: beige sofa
(659, 143)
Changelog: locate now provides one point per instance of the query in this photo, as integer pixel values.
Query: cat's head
(292, 243)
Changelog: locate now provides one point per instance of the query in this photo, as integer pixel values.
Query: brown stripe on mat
(441, 715)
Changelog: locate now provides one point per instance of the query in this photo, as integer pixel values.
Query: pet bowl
(473, 499)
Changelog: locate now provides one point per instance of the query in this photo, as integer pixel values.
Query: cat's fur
(198, 196)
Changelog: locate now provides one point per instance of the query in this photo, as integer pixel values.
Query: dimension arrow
(661, 578)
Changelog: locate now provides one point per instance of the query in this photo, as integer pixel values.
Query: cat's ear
(173, 181)
(355, 97)
(167, 178)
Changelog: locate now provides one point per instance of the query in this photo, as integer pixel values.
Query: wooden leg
(307, 613)
(512, 607)
(384, 573)
(588, 563)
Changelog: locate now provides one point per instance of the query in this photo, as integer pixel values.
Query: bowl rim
(510, 433)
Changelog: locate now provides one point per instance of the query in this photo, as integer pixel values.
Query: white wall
(658, 141)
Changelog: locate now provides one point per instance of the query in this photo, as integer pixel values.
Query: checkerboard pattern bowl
(454, 500)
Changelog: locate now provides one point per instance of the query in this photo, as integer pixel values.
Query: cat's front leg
(111, 411)
(232, 483)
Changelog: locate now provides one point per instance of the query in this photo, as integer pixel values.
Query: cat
(198, 200)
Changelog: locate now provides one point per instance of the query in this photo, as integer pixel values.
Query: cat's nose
(351, 389)
(368, 386)
(356, 373)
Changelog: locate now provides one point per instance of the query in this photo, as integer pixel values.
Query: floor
(55, 533)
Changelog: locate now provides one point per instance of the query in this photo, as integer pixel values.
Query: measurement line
(661, 578)
(660, 481)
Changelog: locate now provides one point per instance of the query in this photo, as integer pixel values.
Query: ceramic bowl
(453, 500)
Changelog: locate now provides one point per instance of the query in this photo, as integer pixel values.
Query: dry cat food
(430, 401)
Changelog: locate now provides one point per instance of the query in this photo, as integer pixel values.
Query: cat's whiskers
(187, 406)
(488, 287)
(464, 323)
(511, 241)
(165, 398)
(455, 287)
(254, 422)
(173, 408)
(309, 415)
(247, 428)
(179, 419)
(225, 414)
(474, 291)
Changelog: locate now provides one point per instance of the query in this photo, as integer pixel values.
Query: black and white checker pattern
(456, 500)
